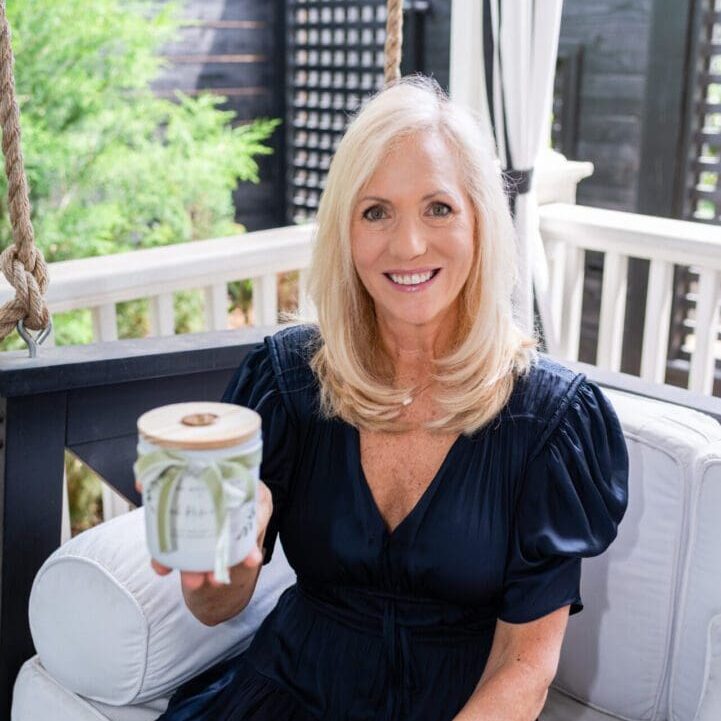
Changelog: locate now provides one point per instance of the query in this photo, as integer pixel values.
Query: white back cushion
(106, 626)
(695, 668)
(616, 653)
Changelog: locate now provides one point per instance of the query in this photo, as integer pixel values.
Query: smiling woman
(435, 482)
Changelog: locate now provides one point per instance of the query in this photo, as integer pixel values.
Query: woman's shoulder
(544, 391)
(290, 350)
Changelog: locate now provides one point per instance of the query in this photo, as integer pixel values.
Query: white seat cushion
(107, 627)
(37, 695)
(698, 641)
(616, 653)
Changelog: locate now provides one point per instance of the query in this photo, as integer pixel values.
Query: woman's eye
(373, 213)
(446, 210)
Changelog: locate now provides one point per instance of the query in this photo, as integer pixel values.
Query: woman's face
(412, 233)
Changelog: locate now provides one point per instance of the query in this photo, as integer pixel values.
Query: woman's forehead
(419, 165)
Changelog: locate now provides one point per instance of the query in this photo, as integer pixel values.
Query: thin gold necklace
(409, 399)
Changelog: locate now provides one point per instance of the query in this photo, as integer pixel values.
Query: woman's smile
(412, 282)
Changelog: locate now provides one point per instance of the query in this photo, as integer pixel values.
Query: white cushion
(38, 696)
(700, 593)
(616, 653)
(107, 627)
(709, 708)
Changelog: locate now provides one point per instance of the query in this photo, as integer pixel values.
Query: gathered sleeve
(572, 498)
(254, 385)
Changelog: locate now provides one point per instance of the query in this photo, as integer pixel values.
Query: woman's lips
(413, 288)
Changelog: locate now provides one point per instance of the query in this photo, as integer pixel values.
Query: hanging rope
(22, 263)
(394, 41)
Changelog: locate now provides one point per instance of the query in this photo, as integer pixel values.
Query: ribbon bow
(229, 481)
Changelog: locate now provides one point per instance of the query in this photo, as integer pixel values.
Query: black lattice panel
(703, 201)
(335, 59)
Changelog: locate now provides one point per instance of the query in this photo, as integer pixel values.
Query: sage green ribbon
(230, 483)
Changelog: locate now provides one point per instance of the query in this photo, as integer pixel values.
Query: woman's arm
(520, 668)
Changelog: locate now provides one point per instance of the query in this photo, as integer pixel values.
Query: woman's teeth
(412, 279)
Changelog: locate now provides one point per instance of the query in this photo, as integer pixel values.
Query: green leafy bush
(112, 167)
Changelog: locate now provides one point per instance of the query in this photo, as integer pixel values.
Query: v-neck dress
(390, 626)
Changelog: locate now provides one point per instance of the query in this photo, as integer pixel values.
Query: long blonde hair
(491, 350)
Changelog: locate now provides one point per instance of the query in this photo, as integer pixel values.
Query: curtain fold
(517, 41)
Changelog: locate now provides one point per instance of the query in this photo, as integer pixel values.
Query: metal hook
(34, 341)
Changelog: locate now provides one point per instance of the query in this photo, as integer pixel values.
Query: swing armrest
(107, 627)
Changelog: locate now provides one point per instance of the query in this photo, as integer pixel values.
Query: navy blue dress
(387, 626)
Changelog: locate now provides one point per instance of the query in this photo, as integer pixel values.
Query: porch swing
(98, 641)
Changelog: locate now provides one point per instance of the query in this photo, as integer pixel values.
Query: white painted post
(265, 299)
(658, 319)
(216, 306)
(572, 302)
(703, 359)
(162, 315)
(305, 305)
(613, 308)
(65, 528)
(113, 503)
(105, 322)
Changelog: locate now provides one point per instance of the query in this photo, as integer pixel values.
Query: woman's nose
(408, 241)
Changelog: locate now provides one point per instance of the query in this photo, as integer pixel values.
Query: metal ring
(31, 341)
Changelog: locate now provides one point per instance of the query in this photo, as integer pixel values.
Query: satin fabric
(384, 626)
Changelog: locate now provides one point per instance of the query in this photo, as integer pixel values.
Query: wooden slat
(305, 304)
(162, 315)
(703, 360)
(105, 322)
(216, 306)
(613, 308)
(572, 302)
(657, 322)
(228, 92)
(229, 58)
(226, 24)
(114, 504)
(265, 299)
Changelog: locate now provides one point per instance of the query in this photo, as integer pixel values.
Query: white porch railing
(569, 230)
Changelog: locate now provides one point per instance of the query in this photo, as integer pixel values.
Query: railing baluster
(105, 322)
(305, 304)
(162, 315)
(703, 360)
(613, 308)
(572, 302)
(265, 299)
(216, 306)
(657, 322)
(113, 503)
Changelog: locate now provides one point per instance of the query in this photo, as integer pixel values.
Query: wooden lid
(199, 425)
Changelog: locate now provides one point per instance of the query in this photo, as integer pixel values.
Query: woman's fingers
(193, 580)
(159, 568)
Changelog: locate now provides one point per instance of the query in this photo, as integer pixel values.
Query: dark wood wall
(614, 40)
(235, 48)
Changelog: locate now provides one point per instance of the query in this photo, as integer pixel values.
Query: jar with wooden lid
(198, 465)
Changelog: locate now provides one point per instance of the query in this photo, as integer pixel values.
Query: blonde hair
(355, 376)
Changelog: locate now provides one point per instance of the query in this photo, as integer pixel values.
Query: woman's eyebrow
(441, 191)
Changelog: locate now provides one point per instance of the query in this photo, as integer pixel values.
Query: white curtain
(503, 63)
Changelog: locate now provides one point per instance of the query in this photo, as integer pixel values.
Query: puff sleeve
(254, 385)
(572, 498)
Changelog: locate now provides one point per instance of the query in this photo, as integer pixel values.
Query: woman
(436, 481)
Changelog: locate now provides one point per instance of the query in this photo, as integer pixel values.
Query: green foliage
(112, 167)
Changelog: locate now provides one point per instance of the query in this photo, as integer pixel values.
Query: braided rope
(21, 263)
(394, 41)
